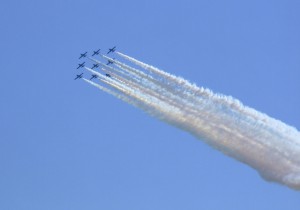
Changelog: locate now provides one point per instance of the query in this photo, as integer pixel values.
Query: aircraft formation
(95, 65)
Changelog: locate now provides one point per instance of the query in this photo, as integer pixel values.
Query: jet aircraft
(78, 76)
(80, 65)
(111, 50)
(109, 62)
(96, 52)
(94, 76)
(95, 66)
(83, 55)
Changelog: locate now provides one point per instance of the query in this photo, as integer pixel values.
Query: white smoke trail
(226, 101)
(150, 84)
(189, 89)
(266, 144)
(122, 97)
(134, 96)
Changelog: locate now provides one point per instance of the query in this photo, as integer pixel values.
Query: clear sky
(65, 145)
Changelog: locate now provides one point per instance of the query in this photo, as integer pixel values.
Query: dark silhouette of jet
(78, 76)
(110, 62)
(96, 52)
(94, 76)
(83, 55)
(95, 66)
(80, 65)
(111, 50)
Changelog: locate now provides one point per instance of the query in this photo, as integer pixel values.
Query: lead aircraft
(83, 55)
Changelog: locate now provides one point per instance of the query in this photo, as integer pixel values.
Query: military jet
(96, 52)
(83, 55)
(94, 76)
(95, 66)
(110, 62)
(80, 65)
(111, 50)
(78, 76)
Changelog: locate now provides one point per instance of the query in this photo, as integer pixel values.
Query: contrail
(124, 98)
(264, 143)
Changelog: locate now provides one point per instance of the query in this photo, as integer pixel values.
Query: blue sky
(65, 145)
